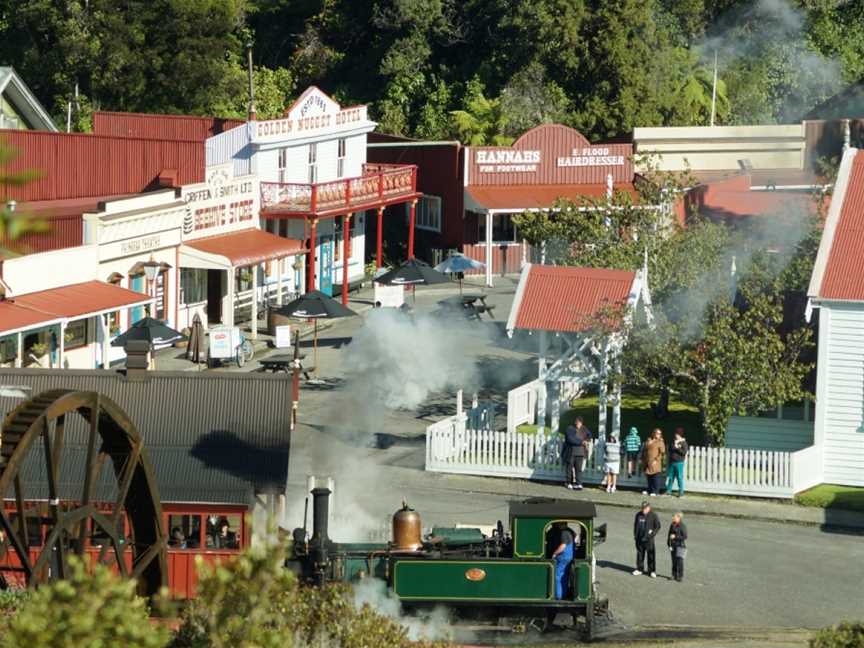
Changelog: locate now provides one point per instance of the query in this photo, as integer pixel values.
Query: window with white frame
(428, 214)
(340, 158)
(283, 164)
(313, 163)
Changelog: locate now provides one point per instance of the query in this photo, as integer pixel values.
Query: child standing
(612, 452)
(632, 444)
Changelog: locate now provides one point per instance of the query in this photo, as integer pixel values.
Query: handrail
(377, 183)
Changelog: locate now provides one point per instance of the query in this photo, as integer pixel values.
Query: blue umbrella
(458, 262)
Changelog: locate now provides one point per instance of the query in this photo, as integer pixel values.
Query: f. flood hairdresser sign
(590, 157)
(507, 161)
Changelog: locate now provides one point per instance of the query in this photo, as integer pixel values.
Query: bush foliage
(844, 635)
(87, 610)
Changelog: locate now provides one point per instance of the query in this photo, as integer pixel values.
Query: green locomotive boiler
(504, 580)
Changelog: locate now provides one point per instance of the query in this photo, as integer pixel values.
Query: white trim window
(428, 216)
(340, 157)
(313, 163)
(282, 164)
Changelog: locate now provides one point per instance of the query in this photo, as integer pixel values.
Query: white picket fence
(452, 448)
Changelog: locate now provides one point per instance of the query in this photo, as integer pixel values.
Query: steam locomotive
(505, 581)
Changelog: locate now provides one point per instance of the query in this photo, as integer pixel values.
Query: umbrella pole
(315, 346)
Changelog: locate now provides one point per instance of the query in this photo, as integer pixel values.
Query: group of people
(651, 455)
(646, 526)
(218, 536)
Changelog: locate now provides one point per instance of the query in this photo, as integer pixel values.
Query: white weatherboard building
(837, 291)
(315, 183)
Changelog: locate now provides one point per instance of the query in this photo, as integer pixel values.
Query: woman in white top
(612, 458)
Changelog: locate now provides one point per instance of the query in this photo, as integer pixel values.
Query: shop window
(340, 158)
(137, 282)
(313, 163)
(76, 334)
(339, 240)
(243, 280)
(503, 229)
(184, 531)
(223, 532)
(193, 286)
(282, 164)
(8, 350)
(428, 214)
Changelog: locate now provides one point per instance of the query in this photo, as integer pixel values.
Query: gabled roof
(563, 299)
(211, 437)
(20, 96)
(838, 274)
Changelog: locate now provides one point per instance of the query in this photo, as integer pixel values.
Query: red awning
(564, 299)
(521, 197)
(248, 247)
(77, 301)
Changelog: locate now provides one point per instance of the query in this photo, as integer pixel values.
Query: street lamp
(151, 269)
(298, 266)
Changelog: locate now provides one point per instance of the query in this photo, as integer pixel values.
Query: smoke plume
(434, 626)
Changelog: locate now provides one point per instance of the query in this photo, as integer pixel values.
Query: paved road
(740, 573)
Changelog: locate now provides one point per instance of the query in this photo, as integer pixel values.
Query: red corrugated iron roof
(564, 299)
(172, 127)
(248, 247)
(843, 278)
(521, 197)
(68, 302)
(732, 199)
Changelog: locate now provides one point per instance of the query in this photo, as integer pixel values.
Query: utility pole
(251, 85)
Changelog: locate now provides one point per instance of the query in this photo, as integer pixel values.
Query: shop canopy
(518, 198)
(237, 249)
(66, 303)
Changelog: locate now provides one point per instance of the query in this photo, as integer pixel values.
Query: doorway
(214, 296)
(325, 265)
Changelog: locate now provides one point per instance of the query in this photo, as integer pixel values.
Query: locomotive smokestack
(320, 515)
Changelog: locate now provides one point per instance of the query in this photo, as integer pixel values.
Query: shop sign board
(222, 203)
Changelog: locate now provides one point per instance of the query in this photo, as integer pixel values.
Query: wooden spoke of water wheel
(129, 527)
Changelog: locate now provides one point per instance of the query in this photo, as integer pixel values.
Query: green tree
(481, 121)
(842, 635)
(85, 610)
(529, 100)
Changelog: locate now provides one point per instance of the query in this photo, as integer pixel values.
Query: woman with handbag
(677, 542)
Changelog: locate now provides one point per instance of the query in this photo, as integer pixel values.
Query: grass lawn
(837, 497)
(635, 410)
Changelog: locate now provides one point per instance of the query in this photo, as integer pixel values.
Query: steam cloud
(746, 36)
(432, 627)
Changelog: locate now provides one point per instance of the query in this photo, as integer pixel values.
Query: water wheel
(59, 443)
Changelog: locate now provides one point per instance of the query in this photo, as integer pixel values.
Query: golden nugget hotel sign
(590, 157)
(507, 161)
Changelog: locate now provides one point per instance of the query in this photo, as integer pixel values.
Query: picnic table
(285, 362)
(468, 305)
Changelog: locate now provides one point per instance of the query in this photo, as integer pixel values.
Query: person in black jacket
(677, 456)
(677, 542)
(645, 528)
(573, 454)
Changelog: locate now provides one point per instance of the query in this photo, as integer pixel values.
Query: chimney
(252, 115)
(137, 358)
(847, 135)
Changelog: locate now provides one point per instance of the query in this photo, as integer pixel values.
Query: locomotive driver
(563, 556)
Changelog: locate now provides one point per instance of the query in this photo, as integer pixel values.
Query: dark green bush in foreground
(844, 635)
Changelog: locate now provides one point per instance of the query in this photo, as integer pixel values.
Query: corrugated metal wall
(231, 145)
(171, 127)
(80, 165)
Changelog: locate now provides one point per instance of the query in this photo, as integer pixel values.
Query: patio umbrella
(152, 330)
(459, 263)
(149, 330)
(314, 305)
(412, 273)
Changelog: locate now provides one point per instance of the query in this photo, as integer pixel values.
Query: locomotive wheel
(39, 426)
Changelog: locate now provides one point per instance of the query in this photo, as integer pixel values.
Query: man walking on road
(677, 455)
(572, 456)
(645, 528)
